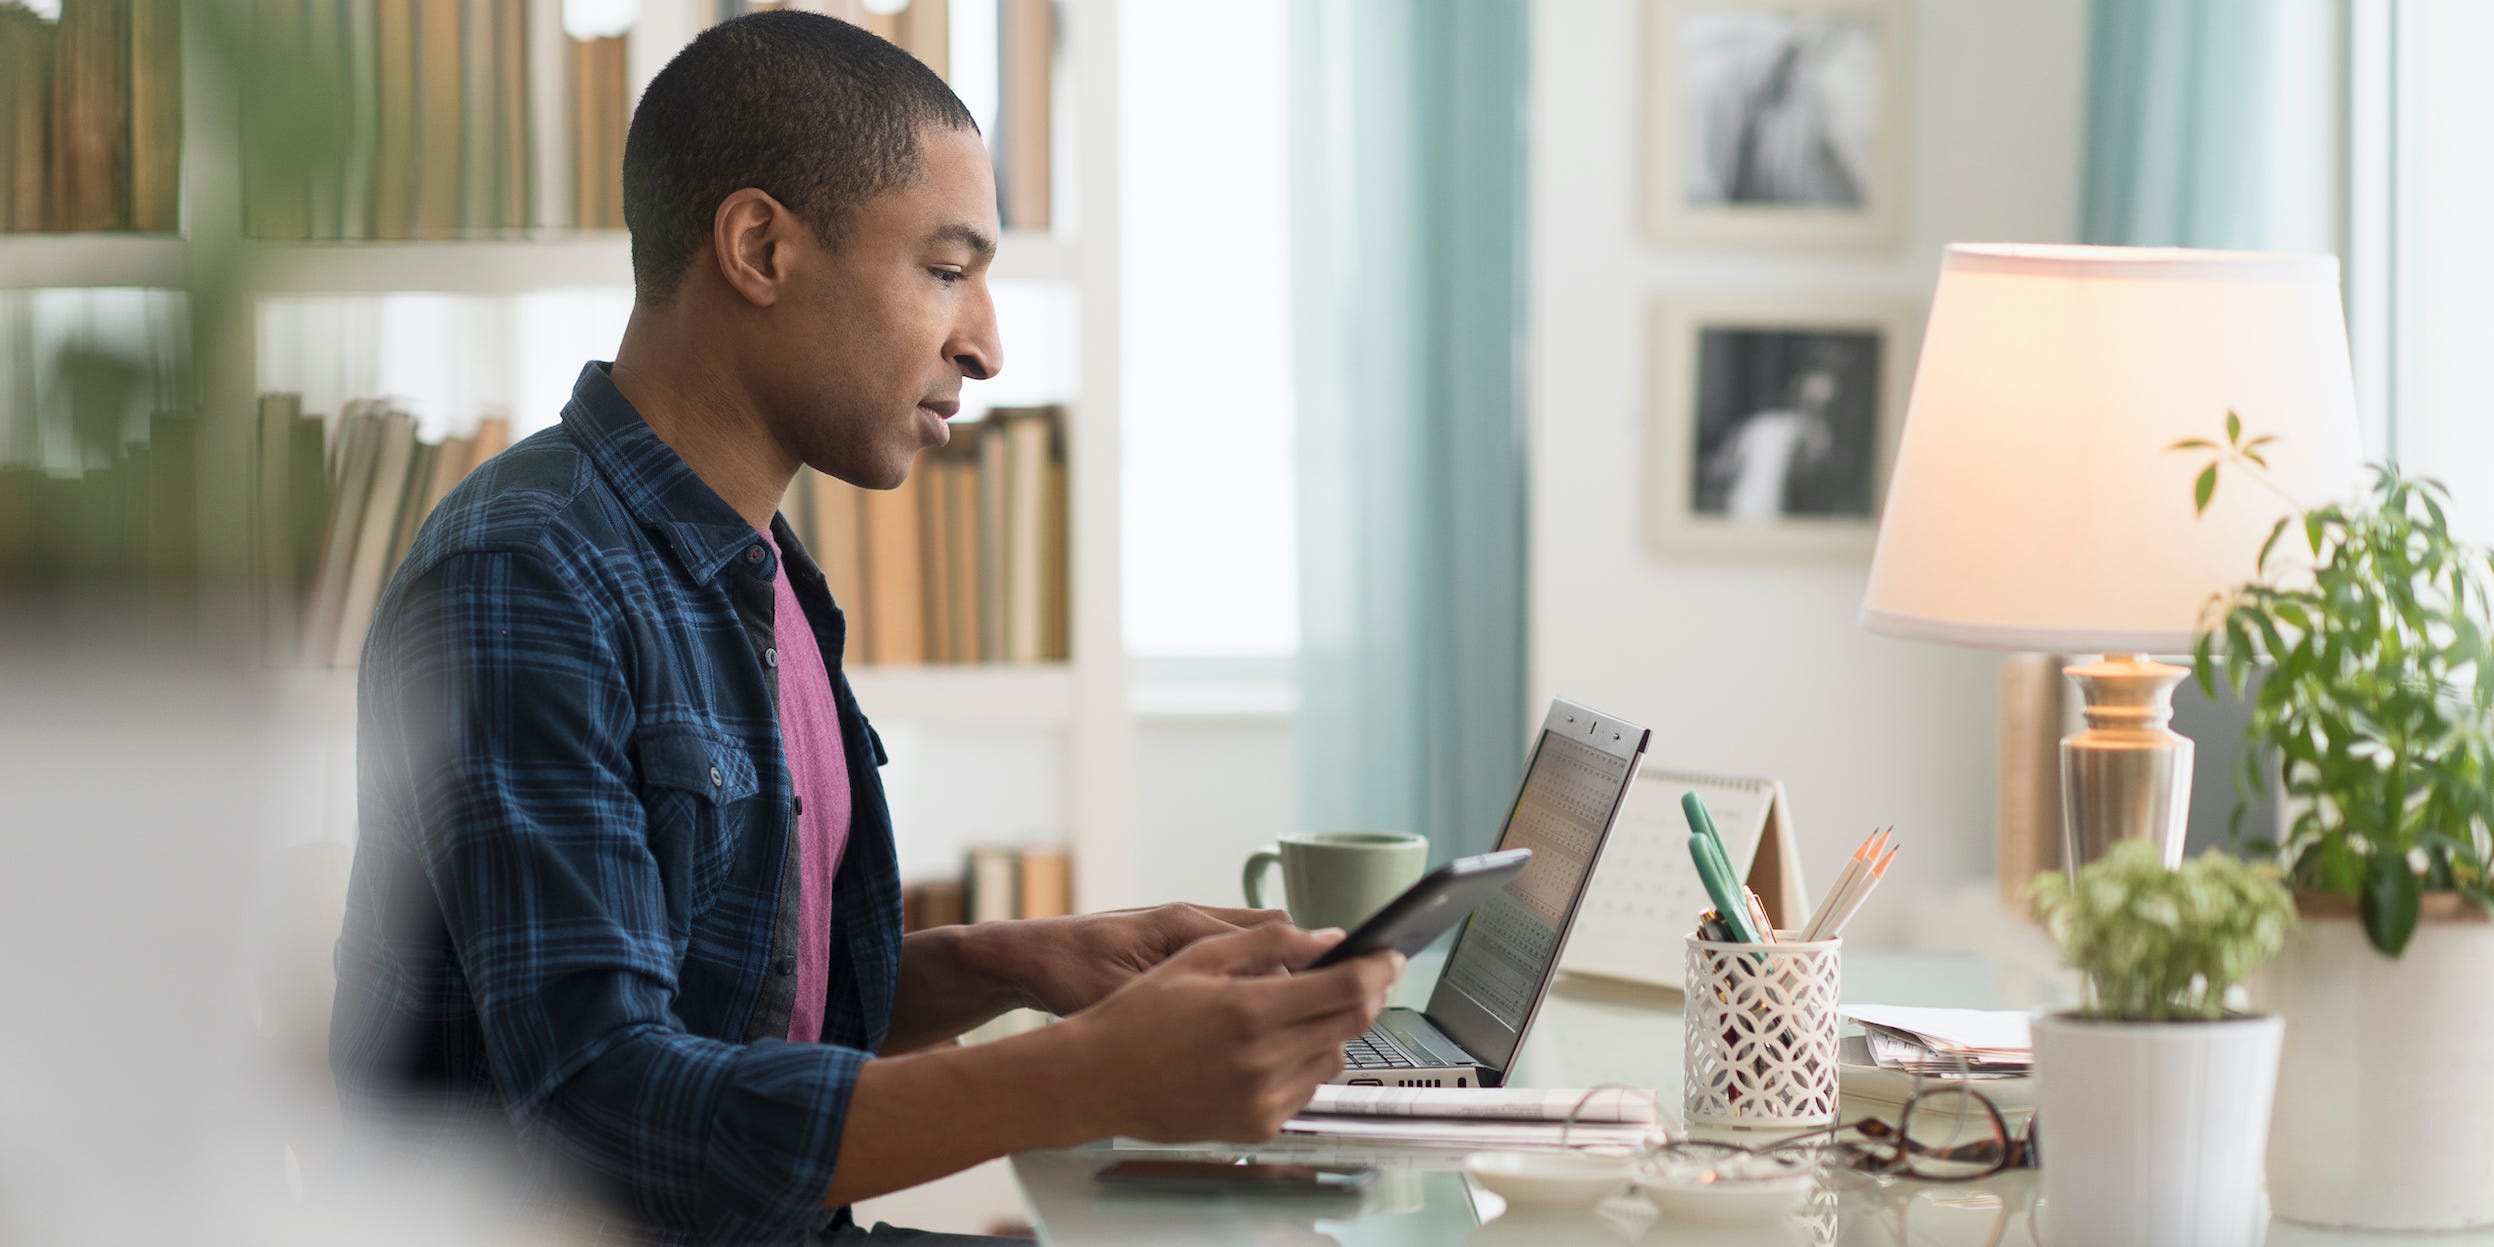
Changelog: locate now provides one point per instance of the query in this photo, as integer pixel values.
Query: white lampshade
(2035, 503)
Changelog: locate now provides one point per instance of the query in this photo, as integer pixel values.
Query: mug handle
(1252, 881)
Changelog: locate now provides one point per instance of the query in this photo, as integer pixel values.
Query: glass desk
(1589, 1032)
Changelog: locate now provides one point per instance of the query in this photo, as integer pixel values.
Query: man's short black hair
(818, 113)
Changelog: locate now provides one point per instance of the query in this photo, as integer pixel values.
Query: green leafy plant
(2160, 945)
(2374, 697)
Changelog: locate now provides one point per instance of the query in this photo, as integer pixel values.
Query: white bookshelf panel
(46, 261)
(968, 695)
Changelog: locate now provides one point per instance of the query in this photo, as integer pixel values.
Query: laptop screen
(1510, 946)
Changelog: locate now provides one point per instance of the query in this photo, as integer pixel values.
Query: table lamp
(2036, 503)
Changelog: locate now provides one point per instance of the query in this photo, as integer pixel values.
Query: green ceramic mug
(1337, 878)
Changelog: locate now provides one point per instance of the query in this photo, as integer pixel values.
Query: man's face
(867, 364)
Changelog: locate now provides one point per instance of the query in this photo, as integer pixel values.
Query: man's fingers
(1317, 1071)
(1335, 988)
(1259, 949)
(1244, 917)
(1327, 1032)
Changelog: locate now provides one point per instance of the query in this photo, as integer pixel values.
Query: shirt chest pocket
(698, 786)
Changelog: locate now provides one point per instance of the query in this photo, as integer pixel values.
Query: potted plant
(2152, 1101)
(2375, 702)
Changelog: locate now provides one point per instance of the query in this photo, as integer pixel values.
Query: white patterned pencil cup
(1760, 1029)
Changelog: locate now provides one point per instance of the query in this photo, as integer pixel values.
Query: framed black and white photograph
(1775, 122)
(1772, 423)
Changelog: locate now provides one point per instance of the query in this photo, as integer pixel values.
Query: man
(624, 896)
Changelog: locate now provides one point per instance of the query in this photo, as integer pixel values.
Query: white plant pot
(2385, 1104)
(2152, 1132)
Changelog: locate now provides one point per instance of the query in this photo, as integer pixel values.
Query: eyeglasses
(1941, 1134)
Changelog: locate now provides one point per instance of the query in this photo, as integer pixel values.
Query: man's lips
(944, 408)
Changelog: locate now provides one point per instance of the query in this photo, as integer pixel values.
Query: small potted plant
(2371, 689)
(2152, 1101)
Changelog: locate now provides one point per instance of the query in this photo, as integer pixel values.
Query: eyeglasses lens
(1952, 1135)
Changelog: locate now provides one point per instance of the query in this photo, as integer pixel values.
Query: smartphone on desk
(1431, 907)
(1227, 1177)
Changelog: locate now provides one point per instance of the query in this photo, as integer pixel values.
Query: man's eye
(947, 276)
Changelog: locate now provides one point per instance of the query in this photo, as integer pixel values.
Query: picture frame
(1772, 422)
(1776, 124)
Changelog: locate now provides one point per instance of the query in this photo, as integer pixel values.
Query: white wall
(1209, 790)
(1762, 668)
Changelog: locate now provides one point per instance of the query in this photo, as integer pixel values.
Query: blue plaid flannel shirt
(572, 921)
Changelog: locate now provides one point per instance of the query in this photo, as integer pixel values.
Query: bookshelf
(1082, 702)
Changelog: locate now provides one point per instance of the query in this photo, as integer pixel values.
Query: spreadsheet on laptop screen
(1508, 946)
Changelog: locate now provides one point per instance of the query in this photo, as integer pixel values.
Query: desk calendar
(1645, 896)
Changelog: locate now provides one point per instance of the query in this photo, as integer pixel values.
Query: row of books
(333, 518)
(91, 116)
(995, 884)
(114, 535)
(451, 118)
(431, 119)
(966, 562)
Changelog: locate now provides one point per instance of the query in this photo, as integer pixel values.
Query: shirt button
(787, 965)
(715, 778)
(753, 554)
(770, 657)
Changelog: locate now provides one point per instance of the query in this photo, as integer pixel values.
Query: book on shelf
(896, 592)
(833, 529)
(922, 28)
(601, 108)
(461, 117)
(90, 116)
(996, 883)
(332, 519)
(965, 562)
(1026, 53)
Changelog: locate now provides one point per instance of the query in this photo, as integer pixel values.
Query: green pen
(1694, 807)
(1730, 909)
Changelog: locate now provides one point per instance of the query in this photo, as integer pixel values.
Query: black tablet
(1431, 907)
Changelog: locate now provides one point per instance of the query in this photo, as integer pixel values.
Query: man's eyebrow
(968, 236)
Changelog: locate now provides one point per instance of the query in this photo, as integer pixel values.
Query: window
(2421, 295)
(1210, 528)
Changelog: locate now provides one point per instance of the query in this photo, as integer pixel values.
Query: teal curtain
(2199, 126)
(2209, 124)
(1408, 185)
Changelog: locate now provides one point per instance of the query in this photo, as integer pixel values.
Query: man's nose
(976, 349)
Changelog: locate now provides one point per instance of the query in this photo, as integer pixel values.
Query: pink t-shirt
(809, 725)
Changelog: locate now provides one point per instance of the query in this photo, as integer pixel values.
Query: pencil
(1832, 913)
(1877, 873)
(1843, 886)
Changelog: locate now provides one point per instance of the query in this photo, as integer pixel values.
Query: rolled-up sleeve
(498, 713)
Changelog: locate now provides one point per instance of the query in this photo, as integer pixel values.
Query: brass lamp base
(2128, 775)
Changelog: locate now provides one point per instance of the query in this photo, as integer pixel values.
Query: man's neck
(706, 419)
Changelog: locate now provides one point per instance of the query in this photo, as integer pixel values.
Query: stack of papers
(1614, 1105)
(1481, 1118)
(1946, 1042)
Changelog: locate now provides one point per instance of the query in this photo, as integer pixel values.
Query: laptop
(1577, 775)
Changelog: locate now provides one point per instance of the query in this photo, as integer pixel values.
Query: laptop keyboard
(1374, 1051)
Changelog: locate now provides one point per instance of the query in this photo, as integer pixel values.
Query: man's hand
(1216, 1044)
(1066, 965)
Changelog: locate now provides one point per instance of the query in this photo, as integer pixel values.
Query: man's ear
(751, 235)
